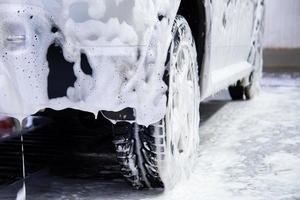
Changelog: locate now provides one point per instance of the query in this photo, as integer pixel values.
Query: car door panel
(230, 42)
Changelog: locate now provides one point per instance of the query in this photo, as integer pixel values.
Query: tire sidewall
(174, 167)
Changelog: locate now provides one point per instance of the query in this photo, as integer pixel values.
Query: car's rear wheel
(254, 87)
(241, 92)
(237, 91)
(161, 154)
(250, 91)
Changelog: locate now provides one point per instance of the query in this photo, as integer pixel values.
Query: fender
(124, 51)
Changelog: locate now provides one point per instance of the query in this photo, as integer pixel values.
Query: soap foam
(122, 40)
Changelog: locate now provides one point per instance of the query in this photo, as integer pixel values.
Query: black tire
(137, 154)
(237, 92)
(149, 155)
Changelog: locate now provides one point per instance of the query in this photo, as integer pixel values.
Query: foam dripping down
(22, 192)
(120, 40)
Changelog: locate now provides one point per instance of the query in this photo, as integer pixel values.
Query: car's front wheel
(161, 154)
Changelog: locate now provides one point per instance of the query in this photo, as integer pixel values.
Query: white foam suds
(119, 38)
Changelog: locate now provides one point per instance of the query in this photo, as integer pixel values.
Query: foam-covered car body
(114, 53)
(119, 38)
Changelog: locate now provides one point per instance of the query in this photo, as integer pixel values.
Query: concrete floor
(249, 150)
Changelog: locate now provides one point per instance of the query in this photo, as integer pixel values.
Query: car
(145, 65)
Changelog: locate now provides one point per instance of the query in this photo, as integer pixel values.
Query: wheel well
(195, 13)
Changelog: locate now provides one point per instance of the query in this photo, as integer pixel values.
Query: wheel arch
(194, 12)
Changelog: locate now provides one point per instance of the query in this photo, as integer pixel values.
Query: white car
(145, 64)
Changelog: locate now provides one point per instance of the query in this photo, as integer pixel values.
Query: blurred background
(282, 33)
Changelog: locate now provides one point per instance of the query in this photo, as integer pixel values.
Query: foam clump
(115, 35)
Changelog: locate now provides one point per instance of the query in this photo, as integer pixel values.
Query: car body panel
(125, 53)
(125, 43)
(229, 38)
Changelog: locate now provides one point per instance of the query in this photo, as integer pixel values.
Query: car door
(224, 29)
(230, 41)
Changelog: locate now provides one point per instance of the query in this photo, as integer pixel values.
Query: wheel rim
(182, 118)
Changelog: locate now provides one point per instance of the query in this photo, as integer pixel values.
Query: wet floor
(249, 150)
